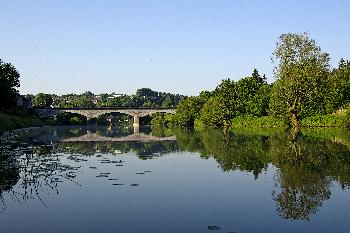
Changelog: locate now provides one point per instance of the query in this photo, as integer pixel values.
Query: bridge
(90, 113)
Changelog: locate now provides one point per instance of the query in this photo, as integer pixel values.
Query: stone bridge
(90, 113)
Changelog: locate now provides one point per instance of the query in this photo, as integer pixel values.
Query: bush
(75, 121)
(67, 118)
(162, 119)
(258, 122)
(347, 117)
(329, 120)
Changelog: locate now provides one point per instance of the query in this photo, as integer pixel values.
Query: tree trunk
(295, 126)
(294, 120)
(294, 132)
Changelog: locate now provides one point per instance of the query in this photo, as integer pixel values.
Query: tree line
(144, 97)
(304, 86)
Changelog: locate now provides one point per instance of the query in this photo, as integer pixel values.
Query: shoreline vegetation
(9, 122)
(306, 93)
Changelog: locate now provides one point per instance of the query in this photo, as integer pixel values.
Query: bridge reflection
(135, 137)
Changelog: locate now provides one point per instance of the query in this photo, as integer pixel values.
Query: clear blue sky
(182, 46)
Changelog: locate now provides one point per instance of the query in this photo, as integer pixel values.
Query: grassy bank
(339, 119)
(10, 122)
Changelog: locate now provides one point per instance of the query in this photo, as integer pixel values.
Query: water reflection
(40, 160)
(306, 167)
(31, 173)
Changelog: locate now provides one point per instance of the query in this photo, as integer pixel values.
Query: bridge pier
(136, 121)
(136, 124)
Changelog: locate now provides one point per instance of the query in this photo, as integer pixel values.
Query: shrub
(347, 117)
(258, 122)
(329, 120)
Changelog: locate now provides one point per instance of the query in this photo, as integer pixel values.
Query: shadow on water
(306, 167)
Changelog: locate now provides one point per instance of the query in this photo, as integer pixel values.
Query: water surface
(82, 179)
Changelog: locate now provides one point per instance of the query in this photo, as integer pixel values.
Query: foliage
(259, 122)
(347, 117)
(225, 101)
(248, 96)
(258, 105)
(9, 81)
(301, 71)
(188, 111)
(66, 118)
(162, 119)
(338, 90)
(11, 122)
(329, 120)
(143, 97)
(253, 95)
(75, 121)
(43, 100)
(212, 113)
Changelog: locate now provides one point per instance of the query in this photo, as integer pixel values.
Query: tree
(226, 97)
(301, 71)
(212, 114)
(188, 111)
(249, 95)
(338, 93)
(258, 105)
(42, 100)
(167, 103)
(256, 76)
(9, 81)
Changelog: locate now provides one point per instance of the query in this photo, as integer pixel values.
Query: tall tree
(9, 81)
(301, 71)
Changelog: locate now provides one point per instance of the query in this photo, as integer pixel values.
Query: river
(99, 179)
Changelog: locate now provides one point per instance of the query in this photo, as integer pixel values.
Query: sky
(176, 46)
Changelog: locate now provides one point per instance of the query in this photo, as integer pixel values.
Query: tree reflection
(299, 193)
(27, 172)
(307, 165)
(246, 152)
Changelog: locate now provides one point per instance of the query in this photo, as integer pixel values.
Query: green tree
(188, 111)
(338, 91)
(258, 105)
(301, 71)
(256, 76)
(42, 100)
(212, 114)
(226, 97)
(249, 95)
(9, 81)
(167, 103)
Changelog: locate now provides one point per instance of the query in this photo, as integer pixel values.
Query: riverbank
(11, 122)
(339, 119)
